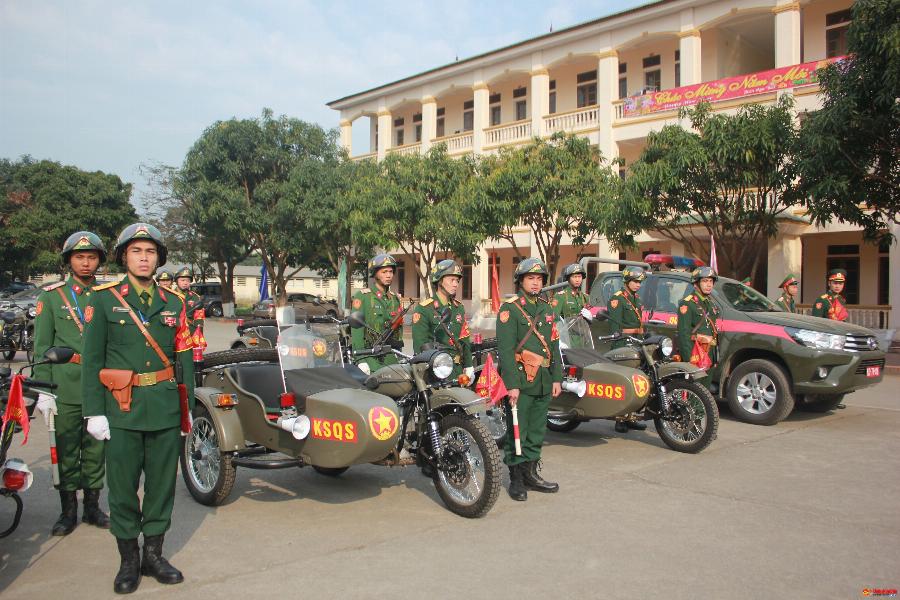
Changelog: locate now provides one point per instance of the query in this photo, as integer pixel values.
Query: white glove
(98, 427)
(470, 373)
(46, 404)
(586, 313)
(364, 367)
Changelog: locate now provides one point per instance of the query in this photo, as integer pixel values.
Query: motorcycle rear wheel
(692, 420)
(472, 486)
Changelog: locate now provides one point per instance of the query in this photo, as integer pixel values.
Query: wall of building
(812, 23)
(815, 258)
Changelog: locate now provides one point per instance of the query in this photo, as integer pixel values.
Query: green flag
(342, 284)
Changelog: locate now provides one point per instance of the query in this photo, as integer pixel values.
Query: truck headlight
(816, 339)
(441, 365)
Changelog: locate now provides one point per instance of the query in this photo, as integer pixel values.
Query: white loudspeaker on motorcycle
(296, 426)
(575, 387)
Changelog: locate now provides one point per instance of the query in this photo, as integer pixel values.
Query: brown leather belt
(143, 379)
(636, 330)
(75, 360)
(704, 339)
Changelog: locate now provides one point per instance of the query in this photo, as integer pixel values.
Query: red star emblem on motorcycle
(383, 423)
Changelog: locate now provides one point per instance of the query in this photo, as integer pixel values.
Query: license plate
(873, 371)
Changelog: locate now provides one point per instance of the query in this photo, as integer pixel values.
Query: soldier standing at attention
(528, 347)
(697, 318)
(441, 319)
(831, 305)
(192, 301)
(791, 287)
(136, 352)
(626, 313)
(572, 302)
(59, 322)
(380, 306)
(164, 280)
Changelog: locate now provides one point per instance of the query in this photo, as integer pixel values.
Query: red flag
(495, 285)
(198, 340)
(183, 339)
(712, 254)
(490, 385)
(15, 406)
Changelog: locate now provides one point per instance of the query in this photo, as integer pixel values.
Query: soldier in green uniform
(831, 305)
(192, 300)
(626, 314)
(572, 302)
(748, 282)
(697, 316)
(380, 306)
(164, 279)
(528, 348)
(441, 319)
(143, 428)
(791, 287)
(59, 322)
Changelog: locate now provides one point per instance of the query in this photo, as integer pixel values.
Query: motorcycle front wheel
(468, 478)
(208, 472)
(692, 419)
(17, 515)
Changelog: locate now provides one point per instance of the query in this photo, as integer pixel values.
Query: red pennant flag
(183, 339)
(198, 340)
(495, 285)
(15, 407)
(490, 385)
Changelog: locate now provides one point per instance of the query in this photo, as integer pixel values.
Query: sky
(110, 86)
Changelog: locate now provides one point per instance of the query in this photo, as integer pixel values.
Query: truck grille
(872, 362)
(860, 343)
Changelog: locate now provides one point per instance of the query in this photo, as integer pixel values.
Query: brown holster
(531, 362)
(119, 382)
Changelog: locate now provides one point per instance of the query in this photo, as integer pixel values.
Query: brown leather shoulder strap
(71, 310)
(162, 356)
(531, 329)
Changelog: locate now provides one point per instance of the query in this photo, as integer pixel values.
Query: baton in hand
(515, 420)
(54, 459)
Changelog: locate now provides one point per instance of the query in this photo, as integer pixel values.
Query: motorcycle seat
(262, 381)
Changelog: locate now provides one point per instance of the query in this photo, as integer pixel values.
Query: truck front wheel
(758, 392)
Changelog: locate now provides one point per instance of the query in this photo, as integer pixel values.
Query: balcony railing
(573, 120)
(507, 134)
(364, 156)
(458, 143)
(406, 149)
(876, 316)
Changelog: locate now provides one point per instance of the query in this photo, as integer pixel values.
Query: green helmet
(702, 273)
(573, 269)
(83, 240)
(163, 277)
(140, 231)
(446, 267)
(529, 266)
(184, 272)
(633, 274)
(380, 261)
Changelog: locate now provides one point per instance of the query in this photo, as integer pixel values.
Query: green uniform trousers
(532, 428)
(80, 455)
(128, 452)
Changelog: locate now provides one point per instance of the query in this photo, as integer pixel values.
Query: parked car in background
(210, 297)
(15, 287)
(304, 304)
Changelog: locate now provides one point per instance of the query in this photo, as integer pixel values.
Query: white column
(894, 274)
(689, 50)
(607, 93)
(785, 256)
(347, 136)
(604, 250)
(481, 286)
(384, 132)
(540, 100)
(373, 138)
(481, 117)
(429, 122)
(787, 34)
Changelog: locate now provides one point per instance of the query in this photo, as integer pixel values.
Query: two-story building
(614, 80)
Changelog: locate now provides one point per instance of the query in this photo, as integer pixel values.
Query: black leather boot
(621, 427)
(534, 481)
(129, 576)
(92, 514)
(154, 565)
(636, 425)
(517, 489)
(68, 518)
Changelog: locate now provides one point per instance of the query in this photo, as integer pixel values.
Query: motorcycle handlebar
(34, 383)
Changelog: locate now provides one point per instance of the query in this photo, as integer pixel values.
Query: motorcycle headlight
(32, 313)
(441, 365)
(666, 346)
(816, 339)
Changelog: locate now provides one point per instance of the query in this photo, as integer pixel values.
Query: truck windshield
(746, 299)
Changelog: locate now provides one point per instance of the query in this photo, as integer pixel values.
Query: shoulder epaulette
(425, 302)
(689, 297)
(824, 296)
(177, 294)
(53, 286)
(106, 286)
(619, 293)
(365, 291)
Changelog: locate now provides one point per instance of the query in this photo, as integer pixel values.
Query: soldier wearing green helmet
(441, 319)
(59, 322)
(192, 300)
(136, 357)
(164, 279)
(626, 315)
(380, 307)
(572, 302)
(697, 316)
(528, 348)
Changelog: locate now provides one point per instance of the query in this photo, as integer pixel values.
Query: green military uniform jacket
(380, 309)
(569, 302)
(828, 306)
(695, 311)
(624, 310)
(511, 329)
(452, 333)
(786, 303)
(192, 303)
(113, 341)
(56, 325)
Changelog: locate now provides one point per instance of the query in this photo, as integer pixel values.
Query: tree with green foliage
(554, 186)
(415, 203)
(43, 202)
(731, 177)
(848, 159)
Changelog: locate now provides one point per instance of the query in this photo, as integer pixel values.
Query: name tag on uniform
(169, 321)
(120, 309)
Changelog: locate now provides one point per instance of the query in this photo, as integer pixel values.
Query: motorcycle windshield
(574, 332)
(304, 345)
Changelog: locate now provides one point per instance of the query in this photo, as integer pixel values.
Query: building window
(552, 96)
(400, 278)
(399, 141)
(467, 282)
(884, 275)
(241, 281)
(587, 89)
(836, 26)
(494, 102)
(623, 80)
(652, 74)
(519, 95)
(846, 256)
(678, 68)
(440, 123)
(468, 115)
(398, 124)
(417, 122)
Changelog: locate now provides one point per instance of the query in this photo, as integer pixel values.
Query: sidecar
(258, 333)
